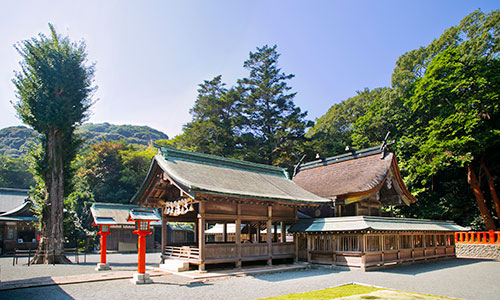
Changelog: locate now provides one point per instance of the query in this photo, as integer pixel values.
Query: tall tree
(272, 128)
(54, 89)
(214, 115)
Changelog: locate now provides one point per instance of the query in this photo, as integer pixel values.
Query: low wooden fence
(478, 237)
(182, 252)
(31, 252)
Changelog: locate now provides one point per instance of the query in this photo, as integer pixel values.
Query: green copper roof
(222, 162)
(361, 223)
(197, 174)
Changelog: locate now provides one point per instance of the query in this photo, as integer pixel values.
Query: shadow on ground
(430, 266)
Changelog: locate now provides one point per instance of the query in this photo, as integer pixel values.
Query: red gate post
(142, 218)
(103, 232)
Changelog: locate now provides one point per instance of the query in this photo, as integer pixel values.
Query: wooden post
(224, 233)
(283, 232)
(238, 235)
(309, 247)
(269, 235)
(296, 242)
(163, 235)
(275, 238)
(201, 236)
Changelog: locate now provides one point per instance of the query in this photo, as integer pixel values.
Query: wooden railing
(185, 252)
(478, 237)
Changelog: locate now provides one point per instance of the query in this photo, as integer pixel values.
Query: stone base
(102, 267)
(141, 278)
(478, 251)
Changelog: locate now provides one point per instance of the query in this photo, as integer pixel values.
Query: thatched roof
(352, 175)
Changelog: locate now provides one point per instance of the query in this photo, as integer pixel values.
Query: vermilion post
(103, 247)
(141, 263)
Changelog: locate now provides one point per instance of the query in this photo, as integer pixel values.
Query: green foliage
(14, 173)
(15, 141)
(360, 121)
(93, 133)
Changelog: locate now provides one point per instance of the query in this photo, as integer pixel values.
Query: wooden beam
(216, 217)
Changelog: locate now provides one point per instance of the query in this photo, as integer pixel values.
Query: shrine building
(356, 231)
(247, 203)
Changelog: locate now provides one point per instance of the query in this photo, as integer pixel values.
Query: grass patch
(335, 292)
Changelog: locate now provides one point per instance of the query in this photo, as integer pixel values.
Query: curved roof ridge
(172, 154)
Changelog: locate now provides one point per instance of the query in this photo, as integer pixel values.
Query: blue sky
(151, 55)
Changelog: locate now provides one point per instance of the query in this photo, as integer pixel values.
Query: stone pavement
(457, 278)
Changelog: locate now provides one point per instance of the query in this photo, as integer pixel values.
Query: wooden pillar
(258, 233)
(224, 233)
(283, 232)
(275, 238)
(296, 242)
(269, 235)
(309, 247)
(238, 235)
(201, 235)
(163, 235)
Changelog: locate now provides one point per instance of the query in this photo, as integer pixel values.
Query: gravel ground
(458, 278)
(117, 261)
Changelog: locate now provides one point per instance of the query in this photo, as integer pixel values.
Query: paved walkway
(458, 278)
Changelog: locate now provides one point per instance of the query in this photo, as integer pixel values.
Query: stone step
(175, 265)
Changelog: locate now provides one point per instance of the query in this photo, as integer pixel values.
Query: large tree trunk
(51, 247)
(476, 188)
(491, 185)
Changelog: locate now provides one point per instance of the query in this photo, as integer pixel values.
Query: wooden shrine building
(211, 191)
(355, 232)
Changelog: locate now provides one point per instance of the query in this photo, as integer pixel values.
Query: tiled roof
(198, 174)
(111, 214)
(12, 198)
(362, 223)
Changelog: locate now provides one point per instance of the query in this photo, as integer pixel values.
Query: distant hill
(15, 140)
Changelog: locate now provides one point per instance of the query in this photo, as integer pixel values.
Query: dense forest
(442, 111)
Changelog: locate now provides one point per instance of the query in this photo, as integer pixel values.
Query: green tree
(271, 127)
(214, 115)
(14, 173)
(456, 117)
(351, 123)
(54, 88)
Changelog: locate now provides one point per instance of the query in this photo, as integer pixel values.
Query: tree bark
(476, 188)
(51, 247)
(491, 185)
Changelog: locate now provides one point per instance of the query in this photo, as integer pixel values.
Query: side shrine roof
(21, 213)
(12, 198)
(111, 214)
(196, 174)
(362, 223)
(351, 174)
